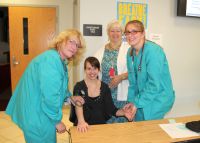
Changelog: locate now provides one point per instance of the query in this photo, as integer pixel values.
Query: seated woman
(98, 107)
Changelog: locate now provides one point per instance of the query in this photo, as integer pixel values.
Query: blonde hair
(65, 36)
(115, 22)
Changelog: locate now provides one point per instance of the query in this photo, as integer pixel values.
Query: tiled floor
(10, 133)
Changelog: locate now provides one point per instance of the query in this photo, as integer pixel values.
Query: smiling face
(69, 48)
(135, 33)
(115, 33)
(91, 72)
(92, 68)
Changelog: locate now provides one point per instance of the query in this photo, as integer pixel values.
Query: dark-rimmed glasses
(132, 32)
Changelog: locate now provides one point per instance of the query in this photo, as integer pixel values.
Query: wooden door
(40, 29)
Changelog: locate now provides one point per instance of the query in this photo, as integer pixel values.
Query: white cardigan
(122, 92)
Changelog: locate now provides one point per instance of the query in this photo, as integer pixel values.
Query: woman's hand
(77, 100)
(82, 126)
(115, 81)
(60, 127)
(129, 111)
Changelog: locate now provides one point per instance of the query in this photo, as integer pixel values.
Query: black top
(96, 110)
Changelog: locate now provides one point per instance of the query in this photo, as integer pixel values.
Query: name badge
(112, 72)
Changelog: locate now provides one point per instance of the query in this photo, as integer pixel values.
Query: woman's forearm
(120, 112)
(79, 114)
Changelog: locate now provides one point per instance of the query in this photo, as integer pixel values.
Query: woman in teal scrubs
(36, 104)
(150, 85)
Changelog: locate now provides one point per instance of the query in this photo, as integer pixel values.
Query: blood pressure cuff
(194, 126)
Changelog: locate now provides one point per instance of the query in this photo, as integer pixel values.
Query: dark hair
(93, 61)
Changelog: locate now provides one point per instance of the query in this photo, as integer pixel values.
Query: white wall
(180, 40)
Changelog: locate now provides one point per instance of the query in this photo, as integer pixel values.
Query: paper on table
(177, 130)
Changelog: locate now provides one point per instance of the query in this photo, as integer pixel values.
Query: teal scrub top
(36, 104)
(150, 88)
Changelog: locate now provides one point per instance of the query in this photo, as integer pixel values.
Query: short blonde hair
(111, 25)
(65, 36)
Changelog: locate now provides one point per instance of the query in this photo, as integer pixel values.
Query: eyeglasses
(132, 32)
(73, 42)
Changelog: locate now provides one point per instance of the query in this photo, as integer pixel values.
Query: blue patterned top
(110, 60)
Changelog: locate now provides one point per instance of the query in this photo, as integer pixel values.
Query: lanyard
(140, 65)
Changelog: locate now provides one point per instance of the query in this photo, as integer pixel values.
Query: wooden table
(131, 132)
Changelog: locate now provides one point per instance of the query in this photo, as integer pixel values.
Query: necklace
(113, 46)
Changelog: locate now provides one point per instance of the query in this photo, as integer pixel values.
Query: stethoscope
(140, 65)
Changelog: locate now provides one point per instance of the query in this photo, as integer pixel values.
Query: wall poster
(130, 10)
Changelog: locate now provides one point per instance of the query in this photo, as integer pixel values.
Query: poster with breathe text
(127, 11)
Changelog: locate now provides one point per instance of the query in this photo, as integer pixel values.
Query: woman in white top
(112, 57)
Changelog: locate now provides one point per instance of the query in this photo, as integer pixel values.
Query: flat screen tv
(190, 8)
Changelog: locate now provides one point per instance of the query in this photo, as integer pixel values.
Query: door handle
(14, 61)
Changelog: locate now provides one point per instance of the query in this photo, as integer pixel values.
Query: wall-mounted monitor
(189, 8)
